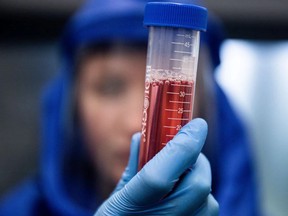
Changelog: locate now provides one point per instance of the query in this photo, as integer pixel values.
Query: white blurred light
(254, 76)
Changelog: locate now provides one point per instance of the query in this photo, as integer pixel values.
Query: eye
(111, 86)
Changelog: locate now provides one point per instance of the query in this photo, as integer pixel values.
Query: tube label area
(145, 110)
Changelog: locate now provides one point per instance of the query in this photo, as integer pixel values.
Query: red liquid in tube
(167, 107)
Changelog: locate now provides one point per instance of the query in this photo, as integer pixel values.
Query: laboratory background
(253, 73)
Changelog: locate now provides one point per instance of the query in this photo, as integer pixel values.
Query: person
(87, 131)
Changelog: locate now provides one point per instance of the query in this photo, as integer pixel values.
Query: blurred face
(110, 98)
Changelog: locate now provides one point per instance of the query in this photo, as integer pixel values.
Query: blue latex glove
(157, 189)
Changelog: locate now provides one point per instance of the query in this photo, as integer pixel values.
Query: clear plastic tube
(169, 86)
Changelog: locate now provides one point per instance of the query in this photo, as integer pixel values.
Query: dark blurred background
(29, 57)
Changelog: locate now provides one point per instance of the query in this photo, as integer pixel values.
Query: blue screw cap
(176, 15)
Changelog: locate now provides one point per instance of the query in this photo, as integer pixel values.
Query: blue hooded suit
(64, 183)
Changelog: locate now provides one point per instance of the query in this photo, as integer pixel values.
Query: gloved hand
(157, 189)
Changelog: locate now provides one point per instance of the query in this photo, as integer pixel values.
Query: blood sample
(169, 109)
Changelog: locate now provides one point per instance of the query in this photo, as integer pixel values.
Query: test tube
(172, 58)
